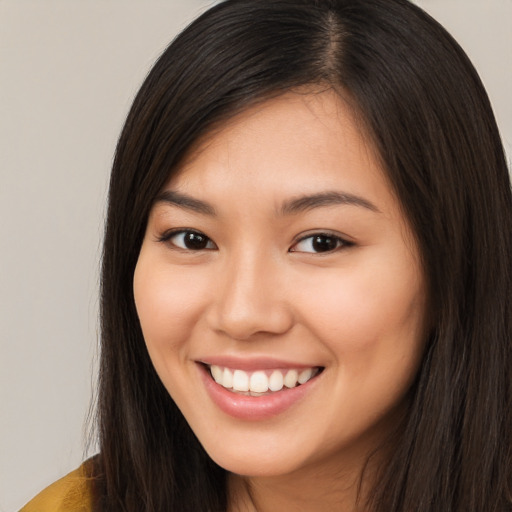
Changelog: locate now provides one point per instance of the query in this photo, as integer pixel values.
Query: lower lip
(254, 408)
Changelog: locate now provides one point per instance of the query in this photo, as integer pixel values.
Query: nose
(250, 299)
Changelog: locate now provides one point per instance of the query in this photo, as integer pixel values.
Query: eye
(188, 240)
(319, 243)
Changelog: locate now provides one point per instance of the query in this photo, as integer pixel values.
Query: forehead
(296, 143)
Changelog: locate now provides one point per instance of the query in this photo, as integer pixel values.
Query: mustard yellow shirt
(69, 494)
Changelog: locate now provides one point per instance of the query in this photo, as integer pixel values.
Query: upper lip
(253, 363)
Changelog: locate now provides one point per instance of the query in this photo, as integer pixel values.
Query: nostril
(245, 323)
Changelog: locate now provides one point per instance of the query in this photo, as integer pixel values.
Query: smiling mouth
(261, 382)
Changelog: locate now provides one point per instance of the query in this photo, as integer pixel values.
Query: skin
(260, 289)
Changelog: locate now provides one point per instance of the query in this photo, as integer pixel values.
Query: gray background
(68, 72)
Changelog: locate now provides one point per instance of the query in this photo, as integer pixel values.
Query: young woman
(306, 274)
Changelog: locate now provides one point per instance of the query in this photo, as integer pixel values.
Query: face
(279, 290)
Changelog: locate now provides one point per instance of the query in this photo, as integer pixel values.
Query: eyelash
(339, 242)
(168, 235)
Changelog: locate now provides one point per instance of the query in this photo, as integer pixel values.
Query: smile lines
(260, 382)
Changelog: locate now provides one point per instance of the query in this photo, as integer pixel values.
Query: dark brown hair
(426, 110)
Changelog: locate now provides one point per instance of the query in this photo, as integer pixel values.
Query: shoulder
(69, 494)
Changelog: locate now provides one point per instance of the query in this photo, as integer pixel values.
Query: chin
(255, 466)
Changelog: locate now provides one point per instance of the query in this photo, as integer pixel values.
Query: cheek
(168, 304)
(370, 315)
(372, 325)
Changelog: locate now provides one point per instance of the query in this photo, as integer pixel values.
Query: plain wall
(68, 72)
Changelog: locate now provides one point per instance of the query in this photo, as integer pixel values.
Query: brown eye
(319, 243)
(191, 241)
(324, 243)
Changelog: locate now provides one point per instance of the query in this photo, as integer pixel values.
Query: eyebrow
(186, 202)
(290, 207)
(322, 199)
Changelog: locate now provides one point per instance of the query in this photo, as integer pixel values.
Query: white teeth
(259, 382)
(217, 374)
(305, 375)
(240, 381)
(227, 378)
(276, 381)
(291, 378)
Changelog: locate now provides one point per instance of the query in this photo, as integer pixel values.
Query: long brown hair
(427, 112)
